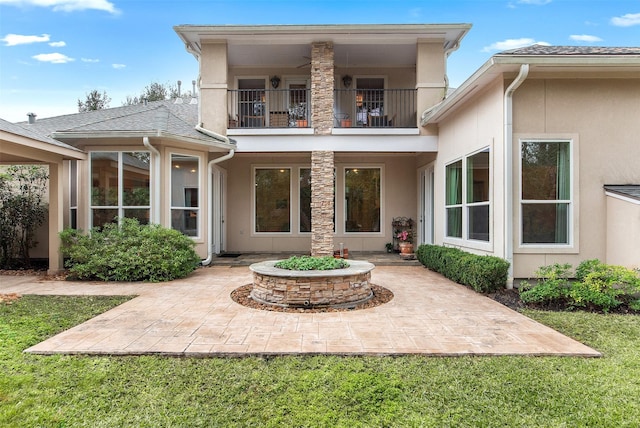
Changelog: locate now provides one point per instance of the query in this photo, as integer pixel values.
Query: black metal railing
(269, 108)
(375, 108)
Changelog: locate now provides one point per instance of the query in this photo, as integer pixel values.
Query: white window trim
(571, 202)
(120, 207)
(198, 236)
(465, 241)
(342, 187)
(293, 200)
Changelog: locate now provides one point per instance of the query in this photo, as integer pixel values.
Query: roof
(628, 190)
(19, 129)
(569, 59)
(169, 118)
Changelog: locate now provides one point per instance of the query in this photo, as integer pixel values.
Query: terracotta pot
(405, 247)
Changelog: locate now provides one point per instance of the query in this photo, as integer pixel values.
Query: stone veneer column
(322, 191)
(322, 203)
(322, 81)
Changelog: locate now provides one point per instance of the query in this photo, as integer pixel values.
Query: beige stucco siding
(600, 116)
(623, 232)
(475, 126)
(398, 199)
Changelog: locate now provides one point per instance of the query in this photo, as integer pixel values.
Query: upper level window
(468, 217)
(119, 186)
(185, 194)
(362, 194)
(545, 192)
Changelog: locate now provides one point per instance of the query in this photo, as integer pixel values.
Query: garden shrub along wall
(484, 274)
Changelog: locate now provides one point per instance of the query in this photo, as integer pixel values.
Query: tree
(155, 91)
(94, 101)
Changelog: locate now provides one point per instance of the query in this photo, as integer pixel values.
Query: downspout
(508, 169)
(155, 218)
(212, 162)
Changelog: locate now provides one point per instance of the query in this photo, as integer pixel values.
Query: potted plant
(298, 114)
(389, 247)
(406, 242)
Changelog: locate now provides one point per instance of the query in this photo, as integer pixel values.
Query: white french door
(219, 196)
(425, 214)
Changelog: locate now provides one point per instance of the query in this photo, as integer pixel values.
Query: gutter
(508, 169)
(156, 174)
(212, 162)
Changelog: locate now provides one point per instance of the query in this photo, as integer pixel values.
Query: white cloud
(628, 20)
(118, 66)
(19, 39)
(66, 5)
(59, 44)
(585, 38)
(512, 44)
(89, 60)
(54, 58)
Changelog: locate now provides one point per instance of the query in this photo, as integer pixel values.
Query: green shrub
(312, 263)
(484, 274)
(597, 285)
(129, 252)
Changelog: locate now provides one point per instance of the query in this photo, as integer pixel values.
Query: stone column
(322, 81)
(322, 198)
(322, 203)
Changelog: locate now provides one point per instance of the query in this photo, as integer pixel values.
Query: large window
(362, 199)
(468, 217)
(119, 186)
(545, 202)
(185, 194)
(272, 199)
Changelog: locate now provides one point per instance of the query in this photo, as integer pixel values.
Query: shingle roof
(572, 50)
(177, 118)
(628, 190)
(19, 129)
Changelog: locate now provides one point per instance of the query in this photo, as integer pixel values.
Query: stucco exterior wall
(398, 199)
(623, 232)
(600, 116)
(476, 126)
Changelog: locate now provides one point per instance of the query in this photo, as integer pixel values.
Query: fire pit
(311, 288)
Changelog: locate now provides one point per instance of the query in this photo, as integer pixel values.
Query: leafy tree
(155, 91)
(22, 211)
(94, 101)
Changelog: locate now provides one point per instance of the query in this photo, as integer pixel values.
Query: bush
(311, 263)
(484, 274)
(129, 252)
(597, 285)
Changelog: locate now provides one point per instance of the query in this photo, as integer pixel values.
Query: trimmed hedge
(129, 252)
(484, 274)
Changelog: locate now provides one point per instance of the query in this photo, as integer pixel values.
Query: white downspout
(212, 162)
(155, 217)
(508, 169)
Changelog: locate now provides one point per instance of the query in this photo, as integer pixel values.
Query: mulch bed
(241, 296)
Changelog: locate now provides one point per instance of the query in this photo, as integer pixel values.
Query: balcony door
(369, 99)
(252, 102)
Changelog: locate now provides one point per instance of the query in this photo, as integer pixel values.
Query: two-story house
(306, 137)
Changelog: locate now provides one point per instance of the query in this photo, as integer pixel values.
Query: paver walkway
(196, 317)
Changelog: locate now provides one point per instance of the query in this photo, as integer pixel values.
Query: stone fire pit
(311, 288)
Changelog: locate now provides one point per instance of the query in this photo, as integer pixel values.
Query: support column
(55, 217)
(322, 201)
(322, 82)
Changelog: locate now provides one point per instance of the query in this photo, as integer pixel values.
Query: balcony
(291, 108)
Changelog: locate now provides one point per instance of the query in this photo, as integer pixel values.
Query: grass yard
(67, 391)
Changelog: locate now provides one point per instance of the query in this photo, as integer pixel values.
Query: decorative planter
(313, 288)
(406, 247)
(301, 123)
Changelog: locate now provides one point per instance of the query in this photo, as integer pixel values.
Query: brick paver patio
(196, 317)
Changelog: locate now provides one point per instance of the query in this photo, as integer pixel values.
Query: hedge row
(484, 274)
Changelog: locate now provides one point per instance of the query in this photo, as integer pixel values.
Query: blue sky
(53, 52)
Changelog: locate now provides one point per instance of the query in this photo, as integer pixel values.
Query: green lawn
(65, 391)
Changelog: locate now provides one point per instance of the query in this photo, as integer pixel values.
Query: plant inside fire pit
(311, 263)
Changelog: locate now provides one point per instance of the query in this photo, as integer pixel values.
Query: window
(362, 194)
(468, 217)
(545, 192)
(185, 194)
(272, 200)
(73, 194)
(119, 186)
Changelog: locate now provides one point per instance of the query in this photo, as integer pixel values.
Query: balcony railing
(269, 108)
(375, 108)
(291, 108)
